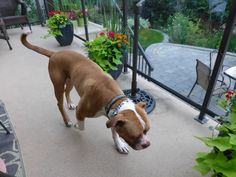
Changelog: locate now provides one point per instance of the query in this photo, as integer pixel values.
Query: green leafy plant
(144, 23)
(56, 22)
(107, 50)
(222, 159)
(182, 30)
(111, 20)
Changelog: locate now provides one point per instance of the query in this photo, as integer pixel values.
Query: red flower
(111, 34)
(229, 95)
(54, 12)
(101, 34)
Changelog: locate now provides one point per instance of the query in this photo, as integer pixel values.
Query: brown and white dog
(99, 95)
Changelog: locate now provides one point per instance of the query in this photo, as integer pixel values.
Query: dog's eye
(144, 132)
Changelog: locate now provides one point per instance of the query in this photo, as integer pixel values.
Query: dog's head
(132, 126)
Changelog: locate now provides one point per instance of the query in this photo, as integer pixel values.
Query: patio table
(231, 73)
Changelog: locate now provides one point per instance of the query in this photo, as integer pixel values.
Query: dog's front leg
(121, 146)
(68, 89)
(80, 119)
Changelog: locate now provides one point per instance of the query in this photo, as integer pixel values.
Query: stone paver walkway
(175, 66)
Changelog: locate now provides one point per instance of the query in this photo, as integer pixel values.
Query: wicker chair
(3, 33)
(8, 10)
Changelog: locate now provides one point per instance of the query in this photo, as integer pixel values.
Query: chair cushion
(11, 20)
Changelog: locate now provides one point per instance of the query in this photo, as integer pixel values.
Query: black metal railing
(114, 15)
(143, 64)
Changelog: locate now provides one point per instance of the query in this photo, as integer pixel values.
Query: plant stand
(136, 94)
(142, 96)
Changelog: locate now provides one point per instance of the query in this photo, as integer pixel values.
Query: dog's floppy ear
(142, 105)
(115, 121)
(111, 122)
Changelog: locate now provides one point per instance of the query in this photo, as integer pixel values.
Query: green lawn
(149, 36)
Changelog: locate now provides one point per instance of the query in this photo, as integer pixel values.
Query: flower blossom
(111, 34)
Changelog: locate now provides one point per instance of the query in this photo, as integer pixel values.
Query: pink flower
(111, 34)
(101, 34)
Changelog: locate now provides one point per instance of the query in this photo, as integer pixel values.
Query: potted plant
(107, 51)
(73, 17)
(80, 17)
(61, 28)
(222, 158)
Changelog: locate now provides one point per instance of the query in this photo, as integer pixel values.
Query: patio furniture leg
(192, 89)
(9, 44)
(4, 127)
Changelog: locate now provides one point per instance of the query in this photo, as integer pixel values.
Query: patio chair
(4, 127)
(212, 56)
(8, 10)
(3, 33)
(203, 77)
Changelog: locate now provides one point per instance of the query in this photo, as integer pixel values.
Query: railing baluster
(142, 64)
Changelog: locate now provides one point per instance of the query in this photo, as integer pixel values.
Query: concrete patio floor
(51, 150)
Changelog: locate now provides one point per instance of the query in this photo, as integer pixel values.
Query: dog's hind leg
(69, 87)
(59, 80)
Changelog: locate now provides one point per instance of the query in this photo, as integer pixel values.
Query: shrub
(182, 30)
(144, 23)
(232, 43)
(209, 39)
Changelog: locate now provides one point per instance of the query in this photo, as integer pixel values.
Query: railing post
(135, 48)
(124, 29)
(41, 18)
(85, 20)
(219, 61)
(136, 94)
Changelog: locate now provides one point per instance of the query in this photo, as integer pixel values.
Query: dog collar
(127, 104)
(124, 105)
(112, 112)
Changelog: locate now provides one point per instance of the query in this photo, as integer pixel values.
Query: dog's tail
(40, 50)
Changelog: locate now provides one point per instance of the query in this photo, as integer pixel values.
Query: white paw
(80, 125)
(71, 106)
(69, 124)
(122, 146)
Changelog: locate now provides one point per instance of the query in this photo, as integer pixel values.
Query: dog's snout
(145, 145)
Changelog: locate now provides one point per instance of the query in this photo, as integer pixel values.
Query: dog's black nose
(145, 145)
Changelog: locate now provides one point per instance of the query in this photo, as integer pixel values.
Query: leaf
(202, 168)
(232, 139)
(204, 162)
(224, 166)
(221, 143)
(227, 128)
(232, 117)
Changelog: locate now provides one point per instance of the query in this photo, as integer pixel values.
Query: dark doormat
(9, 146)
